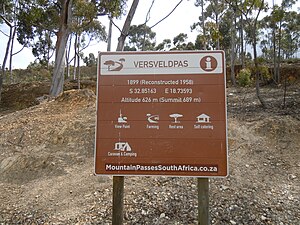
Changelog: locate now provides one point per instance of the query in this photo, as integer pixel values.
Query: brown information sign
(161, 113)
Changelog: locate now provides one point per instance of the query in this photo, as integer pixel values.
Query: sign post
(118, 196)
(203, 201)
(161, 113)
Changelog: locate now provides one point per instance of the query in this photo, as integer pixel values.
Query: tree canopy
(59, 28)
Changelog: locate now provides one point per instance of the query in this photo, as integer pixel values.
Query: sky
(178, 22)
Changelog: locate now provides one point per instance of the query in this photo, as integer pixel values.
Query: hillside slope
(46, 167)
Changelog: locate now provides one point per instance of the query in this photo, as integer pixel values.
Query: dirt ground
(46, 164)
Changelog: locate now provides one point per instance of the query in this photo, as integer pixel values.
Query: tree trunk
(48, 51)
(2, 74)
(109, 34)
(257, 73)
(75, 56)
(11, 54)
(203, 24)
(1, 83)
(275, 74)
(257, 77)
(68, 57)
(62, 38)
(242, 42)
(78, 63)
(218, 30)
(78, 72)
(274, 48)
(232, 55)
(279, 54)
(124, 33)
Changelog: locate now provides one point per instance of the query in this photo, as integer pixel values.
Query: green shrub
(265, 74)
(244, 77)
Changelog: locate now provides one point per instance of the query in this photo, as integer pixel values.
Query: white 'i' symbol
(208, 63)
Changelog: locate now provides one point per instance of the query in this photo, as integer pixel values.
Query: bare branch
(260, 9)
(168, 14)
(81, 50)
(147, 18)
(18, 51)
(144, 25)
(4, 33)
(148, 13)
(116, 25)
(6, 20)
(88, 44)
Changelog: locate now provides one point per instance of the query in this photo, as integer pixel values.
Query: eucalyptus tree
(85, 29)
(8, 17)
(251, 10)
(215, 11)
(179, 42)
(291, 35)
(37, 26)
(209, 22)
(276, 23)
(281, 27)
(165, 45)
(202, 40)
(272, 24)
(4, 6)
(45, 20)
(228, 29)
(64, 28)
(140, 38)
(90, 60)
(59, 18)
(208, 26)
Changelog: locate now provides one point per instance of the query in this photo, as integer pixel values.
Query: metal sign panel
(161, 113)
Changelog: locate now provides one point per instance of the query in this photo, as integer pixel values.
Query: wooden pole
(118, 204)
(118, 181)
(203, 201)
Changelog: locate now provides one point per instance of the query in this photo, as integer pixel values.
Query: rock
(292, 177)
(162, 215)
(224, 188)
(232, 222)
(263, 218)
